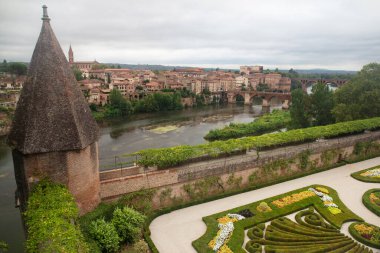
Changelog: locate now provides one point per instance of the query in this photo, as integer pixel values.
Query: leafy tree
(4, 66)
(105, 235)
(292, 73)
(360, 97)
(322, 102)
(128, 223)
(299, 109)
(120, 106)
(17, 68)
(77, 73)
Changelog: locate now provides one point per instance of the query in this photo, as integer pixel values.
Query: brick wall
(113, 186)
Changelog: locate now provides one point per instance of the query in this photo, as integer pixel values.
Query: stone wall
(320, 154)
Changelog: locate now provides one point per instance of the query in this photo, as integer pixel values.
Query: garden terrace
(172, 156)
(312, 228)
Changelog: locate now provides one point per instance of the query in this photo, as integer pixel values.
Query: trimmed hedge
(51, 218)
(284, 235)
(357, 176)
(264, 124)
(237, 239)
(368, 203)
(171, 156)
(365, 241)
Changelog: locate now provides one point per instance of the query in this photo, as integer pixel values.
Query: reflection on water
(10, 219)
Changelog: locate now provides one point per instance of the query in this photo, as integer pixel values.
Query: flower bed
(371, 175)
(226, 227)
(236, 239)
(371, 199)
(166, 157)
(295, 197)
(366, 233)
(327, 200)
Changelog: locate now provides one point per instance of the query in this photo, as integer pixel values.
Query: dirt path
(174, 232)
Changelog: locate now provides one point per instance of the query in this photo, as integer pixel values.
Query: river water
(140, 132)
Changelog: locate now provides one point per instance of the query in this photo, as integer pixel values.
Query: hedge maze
(310, 232)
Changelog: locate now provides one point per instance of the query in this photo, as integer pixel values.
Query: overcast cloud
(334, 34)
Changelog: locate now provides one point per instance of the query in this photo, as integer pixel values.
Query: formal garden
(264, 225)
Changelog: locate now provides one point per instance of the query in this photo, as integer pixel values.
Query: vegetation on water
(171, 156)
(51, 219)
(266, 123)
(293, 204)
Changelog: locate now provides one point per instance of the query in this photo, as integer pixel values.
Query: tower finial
(45, 13)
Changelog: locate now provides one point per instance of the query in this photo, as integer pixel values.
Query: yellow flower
(322, 189)
(226, 219)
(225, 249)
(295, 197)
(363, 229)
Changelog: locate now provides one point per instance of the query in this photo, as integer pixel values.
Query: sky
(300, 34)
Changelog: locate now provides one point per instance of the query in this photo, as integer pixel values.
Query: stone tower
(71, 55)
(53, 133)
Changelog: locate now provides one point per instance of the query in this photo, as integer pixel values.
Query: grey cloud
(337, 34)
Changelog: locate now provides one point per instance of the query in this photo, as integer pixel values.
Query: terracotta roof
(52, 114)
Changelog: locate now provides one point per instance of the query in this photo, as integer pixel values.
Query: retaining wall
(115, 183)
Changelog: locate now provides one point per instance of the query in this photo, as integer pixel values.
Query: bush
(105, 235)
(51, 220)
(127, 223)
(141, 247)
(267, 123)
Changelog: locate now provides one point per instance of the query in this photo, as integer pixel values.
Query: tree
(17, 68)
(299, 109)
(360, 97)
(77, 73)
(322, 102)
(4, 66)
(119, 104)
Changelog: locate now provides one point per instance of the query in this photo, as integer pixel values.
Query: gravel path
(174, 232)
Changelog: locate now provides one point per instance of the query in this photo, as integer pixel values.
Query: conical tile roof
(52, 114)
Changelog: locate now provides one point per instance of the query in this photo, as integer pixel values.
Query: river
(140, 132)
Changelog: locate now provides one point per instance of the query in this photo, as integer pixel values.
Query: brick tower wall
(78, 170)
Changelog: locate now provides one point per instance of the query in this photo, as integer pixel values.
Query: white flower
(235, 215)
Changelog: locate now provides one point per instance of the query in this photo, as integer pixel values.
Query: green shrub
(105, 234)
(51, 220)
(166, 157)
(374, 204)
(128, 223)
(267, 123)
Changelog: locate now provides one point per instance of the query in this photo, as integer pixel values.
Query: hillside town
(97, 80)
